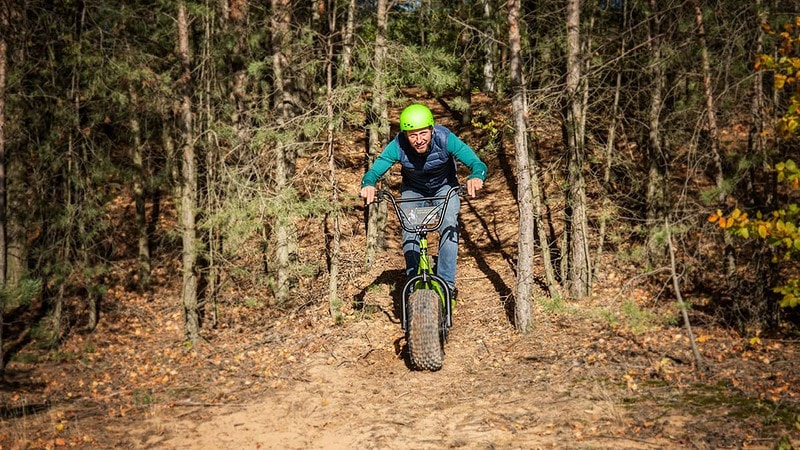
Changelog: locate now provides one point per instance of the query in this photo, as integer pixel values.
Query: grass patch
(555, 305)
(631, 316)
(26, 358)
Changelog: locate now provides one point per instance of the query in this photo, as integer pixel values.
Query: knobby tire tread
(425, 346)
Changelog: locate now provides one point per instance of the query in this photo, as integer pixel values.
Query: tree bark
(188, 184)
(466, 83)
(609, 153)
(378, 136)
(284, 154)
(579, 279)
(541, 227)
(143, 262)
(713, 138)
(711, 115)
(335, 304)
(657, 160)
(3, 217)
(489, 84)
(700, 365)
(756, 141)
(524, 291)
(344, 73)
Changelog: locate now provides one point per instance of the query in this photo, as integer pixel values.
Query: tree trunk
(657, 161)
(466, 83)
(579, 279)
(345, 70)
(3, 243)
(76, 235)
(541, 227)
(334, 302)
(489, 84)
(378, 135)
(188, 184)
(756, 142)
(609, 155)
(524, 291)
(143, 266)
(713, 138)
(284, 154)
(711, 115)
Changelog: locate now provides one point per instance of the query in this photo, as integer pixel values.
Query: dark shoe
(453, 296)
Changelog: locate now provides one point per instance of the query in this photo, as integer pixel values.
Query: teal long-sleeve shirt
(430, 170)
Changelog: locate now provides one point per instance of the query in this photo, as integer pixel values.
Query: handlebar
(430, 217)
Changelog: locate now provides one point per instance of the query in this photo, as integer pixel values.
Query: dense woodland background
(632, 121)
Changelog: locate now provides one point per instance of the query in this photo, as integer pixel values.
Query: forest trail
(497, 389)
(611, 371)
(350, 386)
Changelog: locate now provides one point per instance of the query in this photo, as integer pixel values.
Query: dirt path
(351, 386)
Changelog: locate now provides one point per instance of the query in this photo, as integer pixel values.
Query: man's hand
(473, 186)
(368, 192)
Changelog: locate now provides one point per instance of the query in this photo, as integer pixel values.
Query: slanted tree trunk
(188, 184)
(378, 127)
(579, 275)
(524, 291)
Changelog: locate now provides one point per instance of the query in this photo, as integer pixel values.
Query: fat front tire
(425, 346)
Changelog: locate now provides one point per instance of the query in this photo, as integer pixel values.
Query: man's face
(420, 139)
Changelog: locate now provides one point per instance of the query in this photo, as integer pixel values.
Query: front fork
(426, 279)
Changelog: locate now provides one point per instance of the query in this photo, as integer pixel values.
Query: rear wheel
(425, 346)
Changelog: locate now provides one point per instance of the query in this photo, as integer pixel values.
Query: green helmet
(415, 117)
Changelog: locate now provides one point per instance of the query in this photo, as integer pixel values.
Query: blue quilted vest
(428, 172)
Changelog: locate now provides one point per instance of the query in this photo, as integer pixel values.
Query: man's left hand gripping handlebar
(368, 192)
(473, 186)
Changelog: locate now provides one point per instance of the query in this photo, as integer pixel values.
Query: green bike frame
(425, 277)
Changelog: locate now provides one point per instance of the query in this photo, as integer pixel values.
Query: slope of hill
(610, 371)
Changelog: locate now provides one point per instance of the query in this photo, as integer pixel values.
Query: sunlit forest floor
(614, 370)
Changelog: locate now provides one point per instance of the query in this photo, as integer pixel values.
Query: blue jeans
(448, 236)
